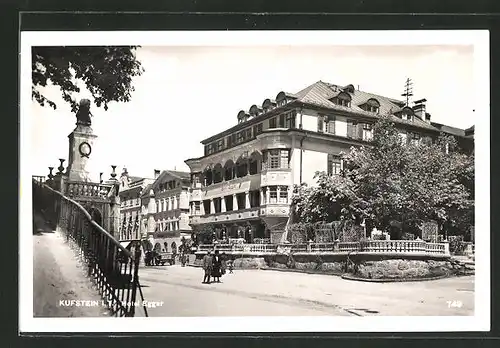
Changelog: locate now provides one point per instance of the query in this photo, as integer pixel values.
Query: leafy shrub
(379, 237)
(408, 236)
(457, 247)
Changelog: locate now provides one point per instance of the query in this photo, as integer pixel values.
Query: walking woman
(216, 267)
(207, 267)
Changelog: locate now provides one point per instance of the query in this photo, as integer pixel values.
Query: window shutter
(351, 129)
(360, 131)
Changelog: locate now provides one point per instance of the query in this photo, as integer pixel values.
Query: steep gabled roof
(450, 130)
(171, 173)
(320, 94)
(146, 190)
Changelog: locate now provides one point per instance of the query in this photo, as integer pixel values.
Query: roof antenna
(408, 90)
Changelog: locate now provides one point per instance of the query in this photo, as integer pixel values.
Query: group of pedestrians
(214, 266)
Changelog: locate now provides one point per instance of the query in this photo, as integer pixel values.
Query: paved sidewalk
(58, 276)
(322, 294)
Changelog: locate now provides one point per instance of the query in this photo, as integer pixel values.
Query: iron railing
(113, 269)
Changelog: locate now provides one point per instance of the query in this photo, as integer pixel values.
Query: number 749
(454, 304)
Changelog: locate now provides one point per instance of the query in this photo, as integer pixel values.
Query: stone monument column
(81, 141)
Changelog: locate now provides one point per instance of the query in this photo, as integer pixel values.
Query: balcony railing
(372, 246)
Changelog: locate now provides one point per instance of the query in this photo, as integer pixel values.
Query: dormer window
(342, 99)
(349, 88)
(372, 105)
(242, 116)
(283, 98)
(255, 111)
(406, 114)
(268, 104)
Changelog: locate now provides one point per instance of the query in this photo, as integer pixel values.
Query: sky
(188, 93)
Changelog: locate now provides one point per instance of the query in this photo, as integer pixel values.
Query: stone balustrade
(436, 248)
(372, 246)
(397, 246)
(87, 189)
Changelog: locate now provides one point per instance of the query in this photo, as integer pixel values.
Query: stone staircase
(464, 265)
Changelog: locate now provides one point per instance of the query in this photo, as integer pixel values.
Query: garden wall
(376, 266)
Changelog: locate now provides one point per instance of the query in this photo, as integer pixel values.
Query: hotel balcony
(274, 177)
(226, 188)
(275, 209)
(226, 217)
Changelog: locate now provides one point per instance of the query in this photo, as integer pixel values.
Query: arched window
(349, 88)
(406, 113)
(372, 105)
(342, 99)
(268, 104)
(255, 111)
(242, 116)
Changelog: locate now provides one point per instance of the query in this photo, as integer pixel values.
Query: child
(230, 266)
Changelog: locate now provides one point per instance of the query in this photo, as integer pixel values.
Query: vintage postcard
(309, 181)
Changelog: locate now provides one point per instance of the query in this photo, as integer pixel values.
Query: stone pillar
(261, 196)
(446, 248)
(212, 206)
(151, 212)
(223, 205)
(268, 195)
(247, 200)
(80, 149)
(235, 202)
(202, 208)
(278, 191)
(114, 216)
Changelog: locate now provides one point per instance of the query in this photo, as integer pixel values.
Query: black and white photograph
(260, 181)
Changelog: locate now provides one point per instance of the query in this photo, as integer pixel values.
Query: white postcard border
(479, 322)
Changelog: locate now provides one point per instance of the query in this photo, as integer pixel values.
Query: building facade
(131, 212)
(243, 184)
(165, 209)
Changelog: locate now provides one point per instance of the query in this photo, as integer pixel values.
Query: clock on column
(85, 149)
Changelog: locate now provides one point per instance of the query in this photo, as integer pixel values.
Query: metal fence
(112, 268)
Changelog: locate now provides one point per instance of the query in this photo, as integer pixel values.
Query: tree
(106, 71)
(332, 199)
(391, 181)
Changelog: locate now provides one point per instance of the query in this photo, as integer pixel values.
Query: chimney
(419, 109)
(157, 174)
(428, 118)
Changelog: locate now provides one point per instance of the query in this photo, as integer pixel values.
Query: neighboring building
(243, 183)
(131, 188)
(165, 207)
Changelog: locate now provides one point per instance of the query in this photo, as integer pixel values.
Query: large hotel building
(243, 183)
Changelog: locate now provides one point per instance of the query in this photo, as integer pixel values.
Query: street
(274, 293)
